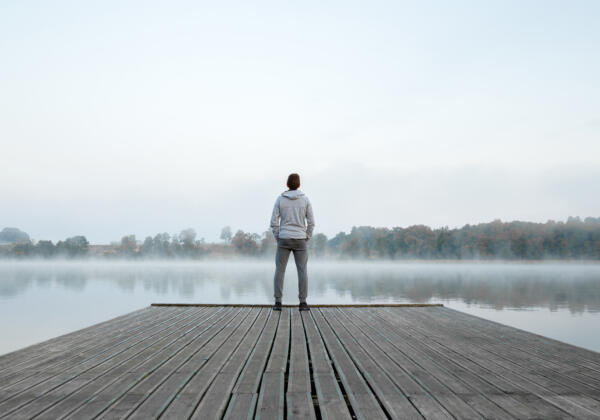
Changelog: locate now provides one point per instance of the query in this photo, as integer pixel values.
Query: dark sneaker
(277, 306)
(304, 306)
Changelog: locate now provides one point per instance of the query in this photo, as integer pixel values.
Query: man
(292, 233)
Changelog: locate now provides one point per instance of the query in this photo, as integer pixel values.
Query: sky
(139, 117)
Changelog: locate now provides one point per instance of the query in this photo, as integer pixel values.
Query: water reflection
(575, 287)
(40, 300)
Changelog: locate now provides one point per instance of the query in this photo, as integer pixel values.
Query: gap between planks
(322, 305)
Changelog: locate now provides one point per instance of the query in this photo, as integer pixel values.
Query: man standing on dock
(292, 223)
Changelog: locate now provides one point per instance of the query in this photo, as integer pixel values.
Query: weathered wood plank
(386, 358)
(526, 386)
(101, 379)
(517, 345)
(14, 358)
(332, 404)
(178, 395)
(245, 392)
(245, 361)
(449, 390)
(64, 354)
(74, 390)
(159, 386)
(477, 379)
(516, 387)
(364, 403)
(533, 342)
(241, 406)
(298, 392)
(559, 384)
(130, 377)
(271, 396)
(396, 404)
(40, 383)
(215, 401)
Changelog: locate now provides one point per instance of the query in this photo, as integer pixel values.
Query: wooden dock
(241, 361)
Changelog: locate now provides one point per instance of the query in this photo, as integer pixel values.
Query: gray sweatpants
(284, 247)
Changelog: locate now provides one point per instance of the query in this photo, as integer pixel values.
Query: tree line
(573, 239)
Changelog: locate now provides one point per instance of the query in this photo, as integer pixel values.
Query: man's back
(295, 211)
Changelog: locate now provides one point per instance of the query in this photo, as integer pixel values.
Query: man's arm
(310, 219)
(275, 219)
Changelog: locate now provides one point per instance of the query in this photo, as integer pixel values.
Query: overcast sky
(121, 117)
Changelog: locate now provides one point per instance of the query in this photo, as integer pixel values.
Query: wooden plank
(177, 395)
(241, 406)
(487, 385)
(532, 405)
(558, 383)
(44, 381)
(11, 361)
(62, 354)
(535, 343)
(103, 376)
(128, 379)
(76, 383)
(245, 392)
(395, 402)
(526, 386)
(332, 404)
(8, 359)
(434, 388)
(59, 353)
(386, 359)
(63, 396)
(245, 361)
(362, 400)
(551, 354)
(446, 388)
(298, 392)
(453, 387)
(271, 398)
(216, 399)
(57, 363)
(165, 345)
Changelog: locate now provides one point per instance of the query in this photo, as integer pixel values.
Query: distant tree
(318, 245)
(147, 248)
(268, 244)
(187, 239)
(335, 243)
(45, 249)
(10, 235)
(161, 245)
(445, 245)
(351, 248)
(76, 246)
(226, 234)
(23, 249)
(175, 245)
(245, 243)
(128, 246)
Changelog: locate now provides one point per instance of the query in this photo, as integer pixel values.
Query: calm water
(39, 300)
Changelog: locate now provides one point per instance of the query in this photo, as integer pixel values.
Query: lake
(40, 299)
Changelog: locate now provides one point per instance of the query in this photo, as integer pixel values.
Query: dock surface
(238, 362)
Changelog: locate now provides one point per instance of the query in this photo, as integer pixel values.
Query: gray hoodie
(295, 211)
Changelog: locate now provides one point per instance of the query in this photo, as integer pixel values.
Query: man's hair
(293, 181)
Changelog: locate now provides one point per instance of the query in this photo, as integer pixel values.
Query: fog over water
(39, 300)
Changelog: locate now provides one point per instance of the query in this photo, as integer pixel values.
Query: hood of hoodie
(292, 194)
